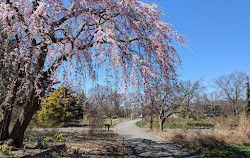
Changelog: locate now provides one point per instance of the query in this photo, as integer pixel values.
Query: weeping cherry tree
(125, 38)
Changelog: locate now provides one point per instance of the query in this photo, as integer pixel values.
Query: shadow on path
(138, 147)
(142, 144)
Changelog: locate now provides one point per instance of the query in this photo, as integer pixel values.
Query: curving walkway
(142, 144)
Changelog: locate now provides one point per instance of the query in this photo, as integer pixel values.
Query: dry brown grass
(240, 124)
(223, 123)
(227, 131)
(186, 138)
(244, 125)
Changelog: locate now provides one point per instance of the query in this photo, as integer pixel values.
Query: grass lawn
(227, 151)
(139, 124)
(166, 125)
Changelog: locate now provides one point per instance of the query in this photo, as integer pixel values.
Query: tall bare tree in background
(202, 103)
(188, 91)
(232, 88)
(116, 100)
(161, 98)
(106, 100)
(100, 100)
(136, 102)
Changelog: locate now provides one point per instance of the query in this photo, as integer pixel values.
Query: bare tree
(188, 92)
(161, 97)
(107, 100)
(232, 88)
(116, 100)
(135, 100)
(100, 99)
(201, 103)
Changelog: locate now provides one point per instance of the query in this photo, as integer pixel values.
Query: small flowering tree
(124, 37)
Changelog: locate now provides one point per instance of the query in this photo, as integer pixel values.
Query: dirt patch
(97, 144)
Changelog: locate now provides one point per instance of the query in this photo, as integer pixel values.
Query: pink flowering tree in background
(125, 38)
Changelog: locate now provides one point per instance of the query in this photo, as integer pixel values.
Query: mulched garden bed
(78, 143)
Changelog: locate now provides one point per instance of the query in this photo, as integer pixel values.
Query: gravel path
(142, 144)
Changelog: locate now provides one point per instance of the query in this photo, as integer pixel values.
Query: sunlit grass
(227, 151)
(166, 125)
(139, 124)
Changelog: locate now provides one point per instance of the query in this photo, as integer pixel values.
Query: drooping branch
(128, 37)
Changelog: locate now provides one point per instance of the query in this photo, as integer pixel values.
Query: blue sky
(218, 35)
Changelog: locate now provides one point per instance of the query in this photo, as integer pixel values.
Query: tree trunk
(21, 125)
(151, 117)
(162, 120)
(4, 123)
(235, 112)
(151, 123)
(30, 107)
(6, 111)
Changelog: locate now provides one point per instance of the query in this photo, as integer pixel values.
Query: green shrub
(59, 108)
